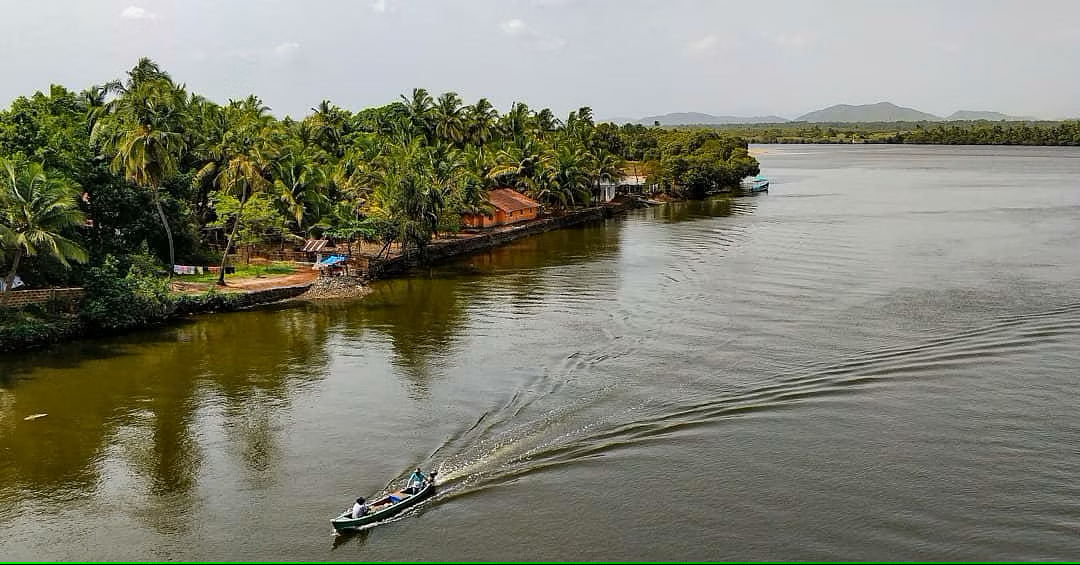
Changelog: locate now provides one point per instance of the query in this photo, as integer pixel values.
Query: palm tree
(570, 175)
(516, 122)
(242, 177)
(475, 180)
(481, 119)
(94, 100)
(299, 184)
(448, 118)
(605, 167)
(330, 125)
(546, 122)
(410, 193)
(419, 109)
(235, 159)
(34, 209)
(525, 165)
(144, 132)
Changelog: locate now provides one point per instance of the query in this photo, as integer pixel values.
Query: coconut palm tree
(236, 161)
(481, 119)
(546, 122)
(570, 175)
(94, 99)
(605, 166)
(517, 122)
(299, 184)
(449, 124)
(242, 177)
(330, 125)
(420, 111)
(525, 165)
(34, 209)
(410, 193)
(143, 133)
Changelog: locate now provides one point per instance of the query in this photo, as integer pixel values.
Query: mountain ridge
(838, 113)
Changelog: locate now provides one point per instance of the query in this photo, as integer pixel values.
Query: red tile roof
(509, 200)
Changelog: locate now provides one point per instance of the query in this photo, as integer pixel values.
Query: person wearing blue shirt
(416, 480)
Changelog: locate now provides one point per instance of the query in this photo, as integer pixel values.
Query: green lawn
(275, 268)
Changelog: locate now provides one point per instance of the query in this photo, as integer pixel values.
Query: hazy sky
(625, 58)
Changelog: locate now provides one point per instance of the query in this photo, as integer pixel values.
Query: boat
(385, 506)
(756, 184)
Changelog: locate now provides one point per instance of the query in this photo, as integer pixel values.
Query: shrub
(21, 329)
(117, 300)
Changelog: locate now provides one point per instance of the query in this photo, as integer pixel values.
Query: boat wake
(526, 435)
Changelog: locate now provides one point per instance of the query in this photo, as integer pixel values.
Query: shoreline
(338, 288)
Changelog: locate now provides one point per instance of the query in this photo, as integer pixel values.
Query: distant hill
(980, 115)
(695, 118)
(880, 112)
(841, 113)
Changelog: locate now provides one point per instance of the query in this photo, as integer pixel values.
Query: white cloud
(517, 28)
(286, 51)
(513, 27)
(701, 45)
(136, 13)
(378, 6)
(795, 40)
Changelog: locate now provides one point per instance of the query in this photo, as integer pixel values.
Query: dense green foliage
(33, 326)
(941, 133)
(141, 163)
(34, 211)
(119, 298)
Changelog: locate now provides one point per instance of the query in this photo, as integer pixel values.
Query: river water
(877, 360)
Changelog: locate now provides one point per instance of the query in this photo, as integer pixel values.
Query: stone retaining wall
(231, 301)
(443, 250)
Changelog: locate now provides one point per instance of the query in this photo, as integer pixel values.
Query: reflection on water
(138, 398)
(874, 361)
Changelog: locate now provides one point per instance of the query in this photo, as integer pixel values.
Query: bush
(117, 300)
(211, 301)
(21, 329)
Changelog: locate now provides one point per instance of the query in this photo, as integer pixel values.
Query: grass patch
(242, 271)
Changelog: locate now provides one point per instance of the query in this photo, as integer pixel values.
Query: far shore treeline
(979, 132)
(109, 187)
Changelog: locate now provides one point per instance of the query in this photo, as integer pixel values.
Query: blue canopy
(331, 260)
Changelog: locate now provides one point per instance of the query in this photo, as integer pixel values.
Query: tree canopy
(165, 169)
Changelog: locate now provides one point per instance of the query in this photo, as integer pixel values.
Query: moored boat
(756, 184)
(386, 506)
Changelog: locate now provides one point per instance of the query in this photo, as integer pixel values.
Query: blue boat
(756, 184)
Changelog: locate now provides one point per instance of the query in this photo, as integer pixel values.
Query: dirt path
(301, 276)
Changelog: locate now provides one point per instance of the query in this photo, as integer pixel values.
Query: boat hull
(344, 523)
(757, 184)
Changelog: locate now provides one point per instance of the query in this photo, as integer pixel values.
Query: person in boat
(360, 508)
(415, 482)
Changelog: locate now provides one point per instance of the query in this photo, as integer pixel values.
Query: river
(877, 360)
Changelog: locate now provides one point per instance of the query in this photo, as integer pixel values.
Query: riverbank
(38, 329)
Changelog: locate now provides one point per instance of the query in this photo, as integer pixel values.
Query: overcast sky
(625, 58)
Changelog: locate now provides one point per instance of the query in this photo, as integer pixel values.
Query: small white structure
(15, 282)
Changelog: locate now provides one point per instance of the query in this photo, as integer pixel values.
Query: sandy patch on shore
(301, 276)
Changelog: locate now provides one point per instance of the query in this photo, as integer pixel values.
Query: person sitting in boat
(416, 481)
(360, 508)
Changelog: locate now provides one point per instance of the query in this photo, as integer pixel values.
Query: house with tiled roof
(509, 207)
